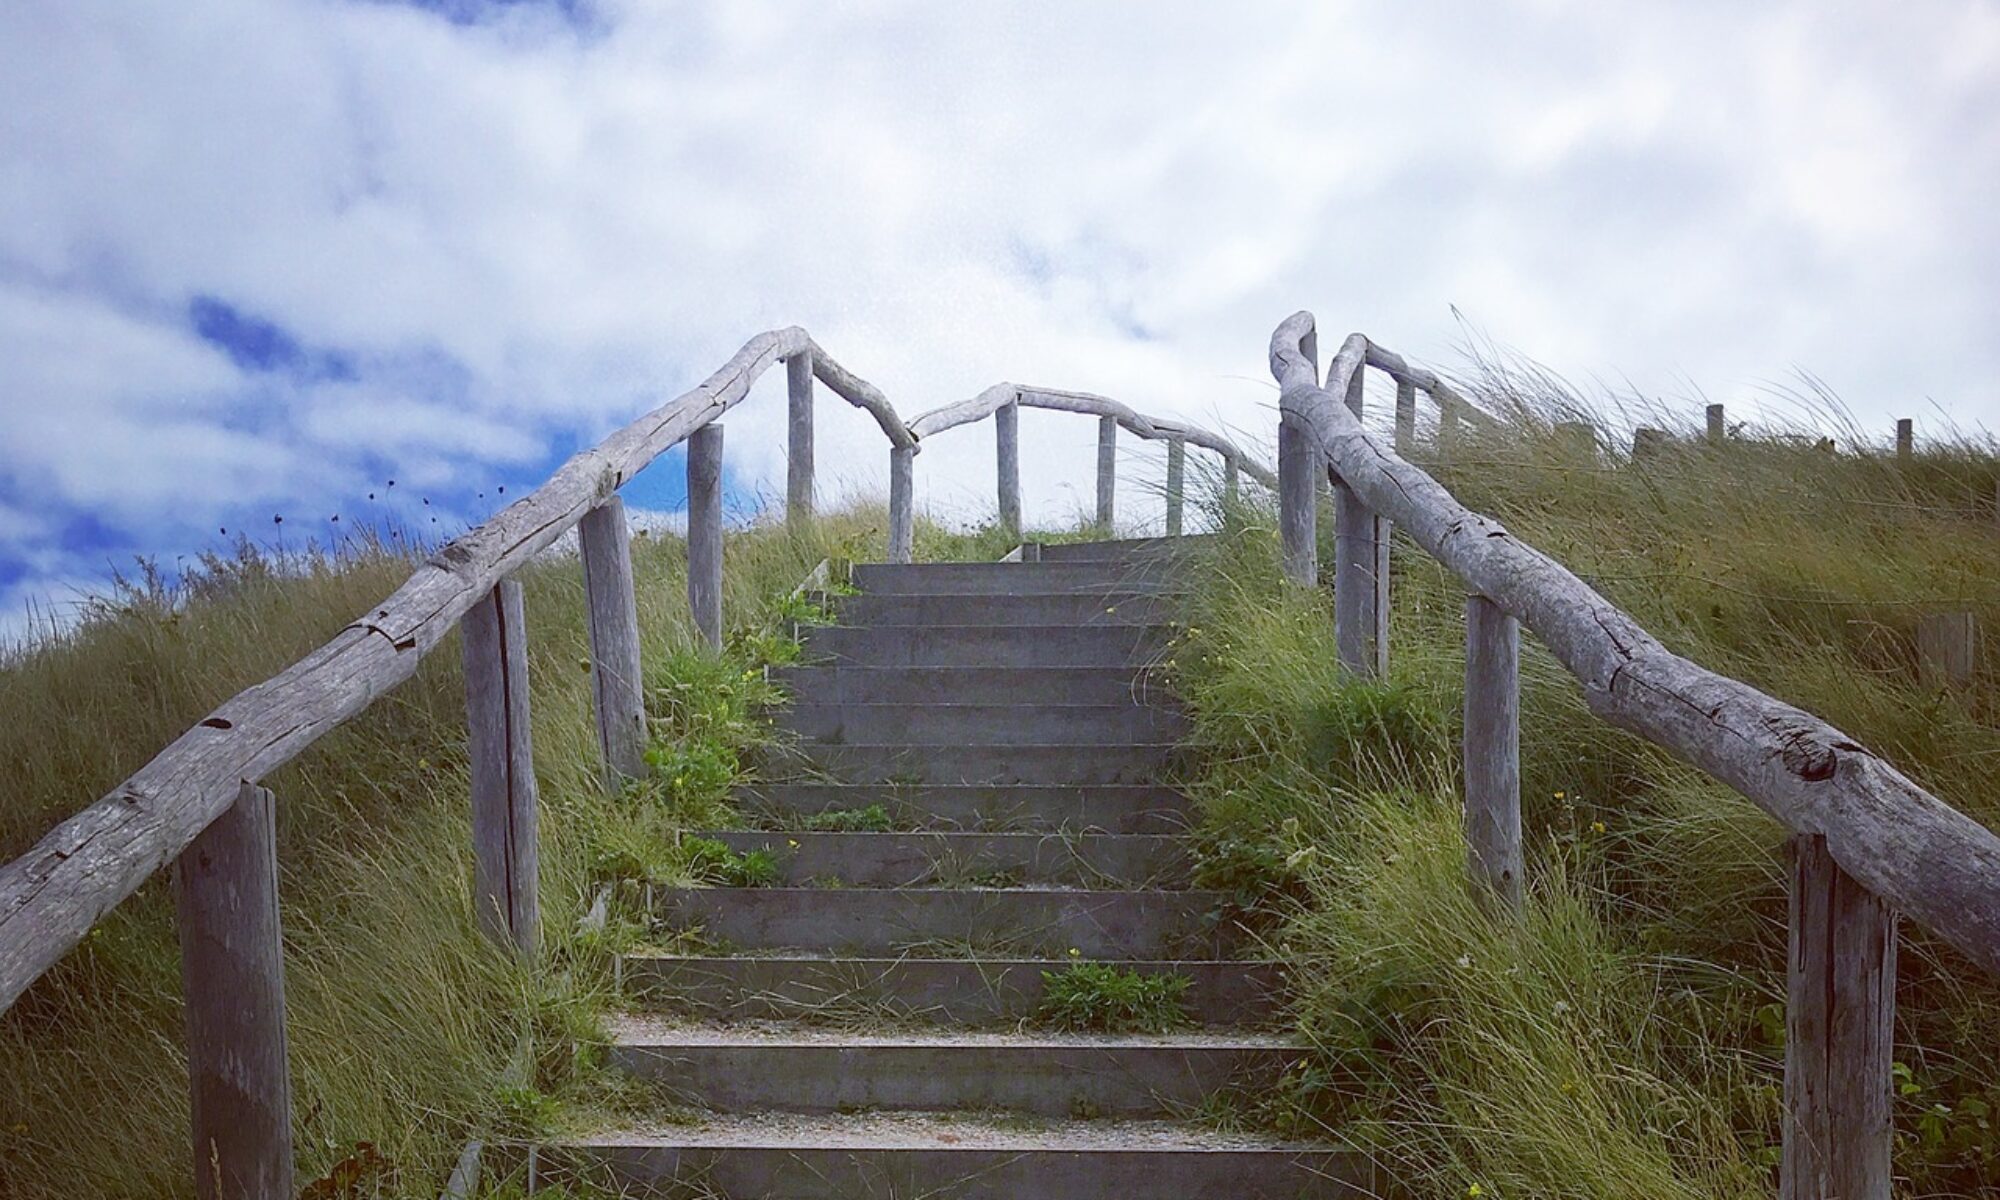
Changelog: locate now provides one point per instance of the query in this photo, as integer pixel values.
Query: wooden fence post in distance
(233, 976)
(1176, 471)
(1007, 451)
(902, 503)
(1947, 648)
(1107, 473)
(799, 464)
(1493, 750)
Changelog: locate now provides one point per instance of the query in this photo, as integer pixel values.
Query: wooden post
(1300, 468)
(1231, 488)
(799, 467)
(1448, 432)
(1493, 750)
(1176, 470)
(506, 850)
(1718, 430)
(1947, 648)
(613, 612)
(704, 479)
(1007, 445)
(1107, 472)
(1360, 574)
(1906, 440)
(1647, 442)
(1406, 417)
(902, 503)
(1840, 1019)
(233, 978)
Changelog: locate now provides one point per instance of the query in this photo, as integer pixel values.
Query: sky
(258, 258)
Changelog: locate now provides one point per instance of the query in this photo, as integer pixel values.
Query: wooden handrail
(1933, 862)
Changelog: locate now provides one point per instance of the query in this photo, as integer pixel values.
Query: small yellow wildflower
(1597, 827)
(792, 842)
(1075, 953)
(1561, 795)
(1475, 1190)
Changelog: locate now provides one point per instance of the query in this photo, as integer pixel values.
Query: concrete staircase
(976, 797)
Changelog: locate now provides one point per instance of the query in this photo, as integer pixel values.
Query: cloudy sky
(259, 257)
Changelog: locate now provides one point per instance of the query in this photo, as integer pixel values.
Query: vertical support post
(1840, 1018)
(704, 480)
(799, 464)
(1718, 430)
(506, 850)
(1007, 447)
(1176, 471)
(1647, 442)
(613, 611)
(233, 976)
(1493, 750)
(1448, 431)
(1232, 486)
(1406, 417)
(902, 503)
(1360, 572)
(1947, 648)
(1906, 440)
(1107, 472)
(1300, 466)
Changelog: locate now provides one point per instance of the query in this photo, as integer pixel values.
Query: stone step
(792, 1068)
(975, 579)
(979, 724)
(1013, 608)
(953, 1156)
(946, 859)
(1111, 808)
(918, 763)
(1152, 551)
(955, 922)
(953, 991)
(972, 685)
(987, 645)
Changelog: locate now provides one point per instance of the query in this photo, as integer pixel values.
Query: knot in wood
(1803, 752)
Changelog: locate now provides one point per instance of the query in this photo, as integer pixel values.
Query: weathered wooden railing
(196, 805)
(1868, 843)
(1003, 402)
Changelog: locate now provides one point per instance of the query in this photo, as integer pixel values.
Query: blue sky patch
(256, 344)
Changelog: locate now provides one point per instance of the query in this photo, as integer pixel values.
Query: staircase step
(1150, 550)
(1112, 808)
(1011, 608)
(788, 1068)
(952, 1156)
(972, 685)
(956, 991)
(980, 724)
(987, 645)
(978, 579)
(920, 763)
(947, 922)
(932, 858)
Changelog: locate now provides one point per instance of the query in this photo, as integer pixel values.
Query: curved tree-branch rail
(52, 895)
(1869, 841)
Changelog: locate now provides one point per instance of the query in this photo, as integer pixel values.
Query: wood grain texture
(506, 838)
(799, 438)
(1107, 474)
(1007, 456)
(52, 895)
(902, 503)
(1493, 750)
(704, 487)
(1947, 648)
(1840, 1021)
(233, 975)
(1935, 864)
(1299, 469)
(1176, 473)
(611, 610)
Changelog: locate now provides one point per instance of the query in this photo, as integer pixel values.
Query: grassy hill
(1623, 1039)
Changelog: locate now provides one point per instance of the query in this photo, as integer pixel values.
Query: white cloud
(521, 232)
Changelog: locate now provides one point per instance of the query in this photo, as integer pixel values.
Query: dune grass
(408, 1032)
(1623, 1038)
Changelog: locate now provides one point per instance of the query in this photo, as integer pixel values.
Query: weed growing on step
(873, 819)
(1106, 998)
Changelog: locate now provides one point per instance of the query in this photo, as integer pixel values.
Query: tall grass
(1624, 1036)
(406, 1026)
